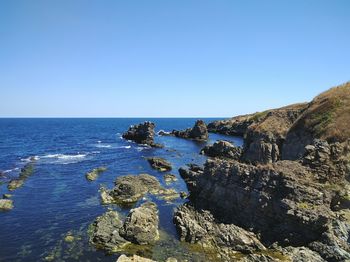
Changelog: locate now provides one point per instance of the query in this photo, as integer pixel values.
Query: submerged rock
(15, 183)
(6, 204)
(142, 134)
(159, 163)
(141, 225)
(26, 172)
(169, 178)
(223, 149)
(94, 174)
(131, 188)
(198, 132)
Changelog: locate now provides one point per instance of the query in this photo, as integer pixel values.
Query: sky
(174, 58)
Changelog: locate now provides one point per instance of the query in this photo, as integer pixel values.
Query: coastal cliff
(290, 184)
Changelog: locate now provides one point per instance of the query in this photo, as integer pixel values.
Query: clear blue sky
(168, 58)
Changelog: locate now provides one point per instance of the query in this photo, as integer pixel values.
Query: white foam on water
(10, 170)
(103, 146)
(127, 147)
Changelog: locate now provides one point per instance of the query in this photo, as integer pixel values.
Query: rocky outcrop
(222, 149)
(284, 202)
(263, 132)
(142, 134)
(198, 132)
(159, 163)
(95, 173)
(141, 225)
(200, 227)
(131, 188)
(104, 232)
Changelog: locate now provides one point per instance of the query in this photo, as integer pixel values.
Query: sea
(57, 200)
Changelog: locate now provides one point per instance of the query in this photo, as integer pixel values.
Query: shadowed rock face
(198, 132)
(142, 134)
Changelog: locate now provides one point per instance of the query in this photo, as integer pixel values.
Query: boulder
(159, 163)
(223, 149)
(198, 132)
(142, 134)
(141, 225)
(104, 232)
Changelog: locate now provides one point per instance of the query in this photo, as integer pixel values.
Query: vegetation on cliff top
(328, 115)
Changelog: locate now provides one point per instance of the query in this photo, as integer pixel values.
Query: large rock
(198, 132)
(279, 201)
(131, 188)
(142, 134)
(141, 225)
(104, 232)
(223, 149)
(159, 163)
(200, 227)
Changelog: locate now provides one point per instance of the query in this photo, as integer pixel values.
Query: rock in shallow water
(105, 232)
(159, 163)
(6, 204)
(94, 174)
(198, 132)
(131, 188)
(142, 134)
(141, 225)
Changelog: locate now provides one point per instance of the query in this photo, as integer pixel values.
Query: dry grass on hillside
(328, 115)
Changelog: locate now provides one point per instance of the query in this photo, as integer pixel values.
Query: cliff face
(291, 184)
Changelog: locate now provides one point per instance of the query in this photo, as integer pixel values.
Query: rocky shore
(283, 196)
(288, 186)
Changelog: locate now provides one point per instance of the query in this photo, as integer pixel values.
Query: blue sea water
(58, 200)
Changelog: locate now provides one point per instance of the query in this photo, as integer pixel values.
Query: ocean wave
(63, 156)
(103, 146)
(127, 147)
(10, 170)
(58, 158)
